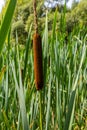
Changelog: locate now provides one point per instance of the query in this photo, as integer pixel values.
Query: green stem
(40, 111)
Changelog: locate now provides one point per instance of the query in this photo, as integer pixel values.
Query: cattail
(38, 67)
(37, 48)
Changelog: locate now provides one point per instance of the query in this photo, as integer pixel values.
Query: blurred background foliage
(23, 18)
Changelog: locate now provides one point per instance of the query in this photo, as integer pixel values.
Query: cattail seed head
(38, 67)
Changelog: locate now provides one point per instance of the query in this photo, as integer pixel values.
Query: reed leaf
(7, 22)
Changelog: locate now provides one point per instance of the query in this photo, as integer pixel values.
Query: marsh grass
(62, 103)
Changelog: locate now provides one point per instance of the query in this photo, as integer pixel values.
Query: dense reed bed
(62, 103)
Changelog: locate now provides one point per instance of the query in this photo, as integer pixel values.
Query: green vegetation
(62, 103)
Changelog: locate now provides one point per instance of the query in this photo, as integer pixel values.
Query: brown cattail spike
(38, 67)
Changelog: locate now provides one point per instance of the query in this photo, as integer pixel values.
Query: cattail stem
(35, 17)
(41, 111)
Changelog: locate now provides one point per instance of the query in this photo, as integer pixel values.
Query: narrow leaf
(6, 22)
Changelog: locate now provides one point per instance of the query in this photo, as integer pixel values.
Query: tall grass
(62, 103)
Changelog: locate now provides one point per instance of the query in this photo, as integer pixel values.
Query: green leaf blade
(6, 22)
